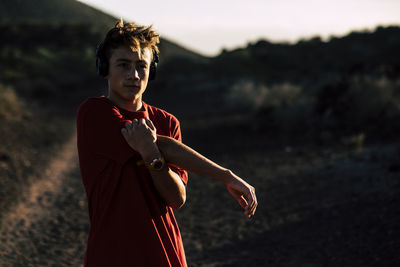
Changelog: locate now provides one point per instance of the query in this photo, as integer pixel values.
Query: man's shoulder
(92, 103)
(159, 113)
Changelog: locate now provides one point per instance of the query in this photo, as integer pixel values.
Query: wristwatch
(156, 164)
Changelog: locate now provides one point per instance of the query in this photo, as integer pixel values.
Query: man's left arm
(183, 156)
(142, 137)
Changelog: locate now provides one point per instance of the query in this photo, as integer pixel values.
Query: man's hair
(131, 35)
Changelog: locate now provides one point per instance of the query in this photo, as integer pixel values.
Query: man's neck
(134, 105)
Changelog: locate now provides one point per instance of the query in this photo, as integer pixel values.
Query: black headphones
(102, 64)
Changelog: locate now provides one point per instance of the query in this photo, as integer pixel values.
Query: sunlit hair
(131, 35)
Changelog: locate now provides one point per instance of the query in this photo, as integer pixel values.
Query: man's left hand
(244, 193)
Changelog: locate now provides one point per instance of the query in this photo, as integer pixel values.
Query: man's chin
(133, 88)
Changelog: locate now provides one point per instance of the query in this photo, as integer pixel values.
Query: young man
(129, 154)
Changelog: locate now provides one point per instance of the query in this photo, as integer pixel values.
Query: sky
(208, 26)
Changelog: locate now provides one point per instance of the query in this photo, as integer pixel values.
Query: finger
(142, 121)
(134, 125)
(242, 202)
(254, 203)
(150, 124)
(128, 124)
(254, 210)
(251, 210)
(251, 202)
(249, 207)
(246, 212)
(253, 206)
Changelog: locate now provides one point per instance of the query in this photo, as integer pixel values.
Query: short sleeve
(99, 126)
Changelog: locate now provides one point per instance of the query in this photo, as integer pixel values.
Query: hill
(355, 52)
(64, 12)
(51, 11)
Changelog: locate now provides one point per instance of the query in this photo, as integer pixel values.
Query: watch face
(158, 165)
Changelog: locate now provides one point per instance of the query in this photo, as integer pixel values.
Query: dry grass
(10, 104)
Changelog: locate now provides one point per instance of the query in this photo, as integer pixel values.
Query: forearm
(170, 186)
(168, 183)
(186, 158)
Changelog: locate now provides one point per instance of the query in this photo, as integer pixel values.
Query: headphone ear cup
(103, 68)
(153, 71)
(98, 66)
(153, 66)
(101, 61)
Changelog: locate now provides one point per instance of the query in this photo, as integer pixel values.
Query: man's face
(128, 75)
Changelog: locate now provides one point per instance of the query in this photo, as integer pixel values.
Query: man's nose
(133, 74)
(136, 74)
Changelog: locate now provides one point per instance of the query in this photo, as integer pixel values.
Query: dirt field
(317, 207)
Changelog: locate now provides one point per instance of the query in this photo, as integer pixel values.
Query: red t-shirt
(130, 224)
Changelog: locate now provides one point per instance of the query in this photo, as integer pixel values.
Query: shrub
(255, 96)
(10, 104)
(246, 94)
(361, 103)
(284, 108)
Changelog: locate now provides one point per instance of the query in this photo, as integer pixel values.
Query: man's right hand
(141, 136)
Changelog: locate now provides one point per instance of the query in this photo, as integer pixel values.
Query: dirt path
(49, 226)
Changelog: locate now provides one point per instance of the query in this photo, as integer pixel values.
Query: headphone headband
(102, 64)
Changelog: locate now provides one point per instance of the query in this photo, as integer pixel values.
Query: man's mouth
(132, 86)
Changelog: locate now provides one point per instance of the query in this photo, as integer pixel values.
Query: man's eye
(123, 65)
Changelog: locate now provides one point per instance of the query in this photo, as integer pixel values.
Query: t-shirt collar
(142, 113)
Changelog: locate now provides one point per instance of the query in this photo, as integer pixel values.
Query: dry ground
(317, 207)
